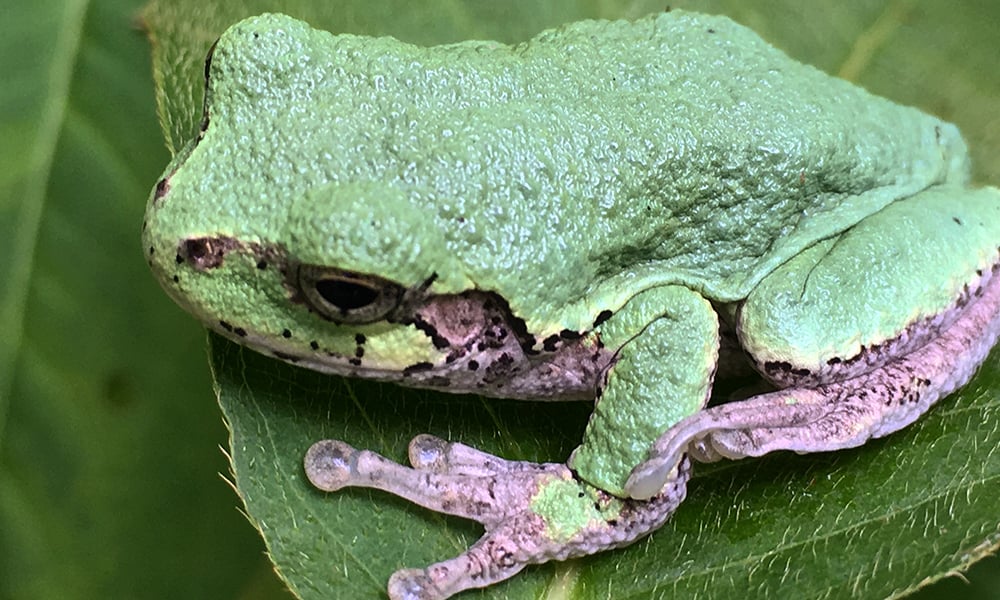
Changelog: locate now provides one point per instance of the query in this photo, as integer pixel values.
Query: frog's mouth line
(479, 347)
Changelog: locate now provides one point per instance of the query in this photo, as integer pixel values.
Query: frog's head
(278, 227)
(338, 278)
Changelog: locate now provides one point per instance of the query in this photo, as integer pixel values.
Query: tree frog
(612, 212)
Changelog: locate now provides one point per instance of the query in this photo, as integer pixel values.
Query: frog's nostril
(206, 252)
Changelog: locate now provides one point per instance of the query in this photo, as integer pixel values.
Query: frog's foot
(837, 415)
(532, 512)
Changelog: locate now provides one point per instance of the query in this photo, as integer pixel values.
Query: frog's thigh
(842, 299)
(667, 346)
(886, 287)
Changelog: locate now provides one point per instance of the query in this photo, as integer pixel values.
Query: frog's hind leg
(837, 300)
(532, 512)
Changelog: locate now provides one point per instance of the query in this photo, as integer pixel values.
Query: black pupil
(346, 295)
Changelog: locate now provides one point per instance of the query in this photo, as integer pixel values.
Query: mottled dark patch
(777, 367)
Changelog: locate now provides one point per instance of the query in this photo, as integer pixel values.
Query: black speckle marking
(602, 316)
(569, 334)
(177, 279)
(957, 221)
(240, 331)
(711, 31)
(360, 339)
(473, 365)
(226, 326)
(439, 341)
(262, 264)
(417, 368)
(286, 334)
(551, 343)
(355, 361)
(152, 250)
(314, 345)
(179, 259)
(359, 352)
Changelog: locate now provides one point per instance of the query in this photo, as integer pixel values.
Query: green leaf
(873, 522)
(109, 438)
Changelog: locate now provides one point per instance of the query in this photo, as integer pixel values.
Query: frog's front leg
(532, 513)
(942, 242)
(666, 340)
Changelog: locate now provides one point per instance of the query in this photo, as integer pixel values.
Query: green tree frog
(611, 212)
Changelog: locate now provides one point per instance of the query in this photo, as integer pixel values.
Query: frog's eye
(346, 296)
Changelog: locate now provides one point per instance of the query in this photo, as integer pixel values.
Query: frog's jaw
(457, 343)
(468, 342)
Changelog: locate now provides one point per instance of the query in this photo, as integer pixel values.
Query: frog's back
(604, 156)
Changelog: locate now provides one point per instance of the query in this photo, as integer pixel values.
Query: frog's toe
(412, 584)
(430, 453)
(329, 464)
(497, 556)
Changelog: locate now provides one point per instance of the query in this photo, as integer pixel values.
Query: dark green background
(109, 436)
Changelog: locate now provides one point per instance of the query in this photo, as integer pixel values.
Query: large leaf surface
(873, 522)
(109, 463)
